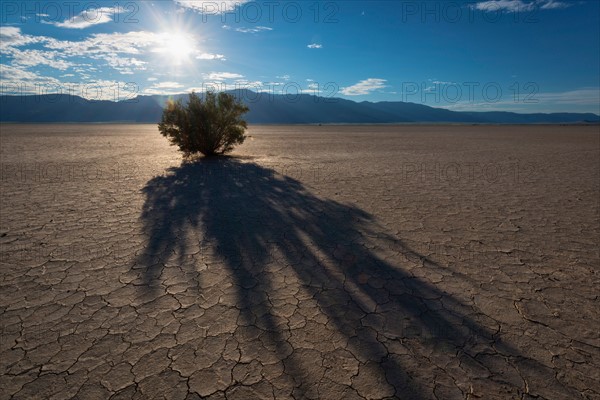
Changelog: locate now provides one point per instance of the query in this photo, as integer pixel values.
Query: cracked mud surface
(318, 262)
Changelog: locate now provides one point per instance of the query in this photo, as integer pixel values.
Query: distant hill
(264, 109)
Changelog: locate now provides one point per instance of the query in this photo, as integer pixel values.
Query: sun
(177, 47)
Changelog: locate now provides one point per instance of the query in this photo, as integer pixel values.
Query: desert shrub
(210, 126)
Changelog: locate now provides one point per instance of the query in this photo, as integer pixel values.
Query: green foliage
(210, 126)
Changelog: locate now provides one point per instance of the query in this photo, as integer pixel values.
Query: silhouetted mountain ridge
(265, 108)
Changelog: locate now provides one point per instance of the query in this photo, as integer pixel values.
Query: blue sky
(514, 55)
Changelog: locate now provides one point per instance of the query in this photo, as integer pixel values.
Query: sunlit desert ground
(333, 262)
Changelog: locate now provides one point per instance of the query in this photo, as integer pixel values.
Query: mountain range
(265, 108)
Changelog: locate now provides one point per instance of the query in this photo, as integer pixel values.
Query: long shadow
(339, 254)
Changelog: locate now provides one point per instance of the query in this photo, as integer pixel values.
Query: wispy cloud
(246, 84)
(167, 85)
(211, 7)
(89, 18)
(553, 4)
(220, 76)
(315, 46)
(579, 96)
(518, 5)
(364, 87)
(579, 100)
(437, 82)
(503, 5)
(254, 29)
(162, 91)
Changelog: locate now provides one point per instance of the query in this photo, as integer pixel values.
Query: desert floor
(333, 262)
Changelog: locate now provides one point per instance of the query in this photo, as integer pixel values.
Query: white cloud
(257, 86)
(17, 81)
(7, 32)
(211, 7)
(313, 86)
(122, 52)
(151, 91)
(435, 85)
(116, 49)
(210, 56)
(90, 17)
(32, 58)
(579, 100)
(167, 85)
(11, 36)
(504, 5)
(364, 87)
(11, 39)
(106, 43)
(164, 88)
(315, 46)
(518, 5)
(152, 79)
(436, 82)
(255, 29)
(220, 76)
(23, 81)
(579, 96)
(221, 85)
(125, 53)
(125, 65)
(208, 86)
(553, 4)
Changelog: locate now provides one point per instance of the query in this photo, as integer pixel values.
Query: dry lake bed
(331, 262)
